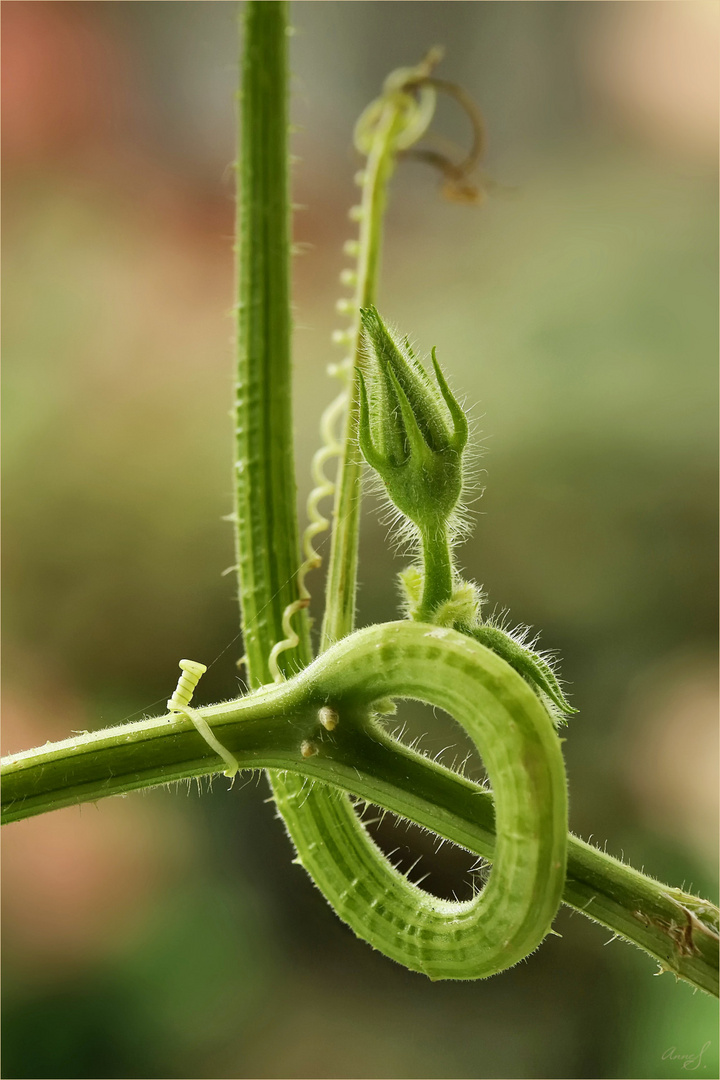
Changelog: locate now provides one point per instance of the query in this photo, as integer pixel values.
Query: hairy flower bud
(412, 440)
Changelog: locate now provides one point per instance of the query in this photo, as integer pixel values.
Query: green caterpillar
(192, 670)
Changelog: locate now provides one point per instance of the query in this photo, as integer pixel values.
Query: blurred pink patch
(63, 81)
(656, 66)
(77, 883)
(74, 882)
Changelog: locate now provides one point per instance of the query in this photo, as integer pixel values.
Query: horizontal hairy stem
(269, 728)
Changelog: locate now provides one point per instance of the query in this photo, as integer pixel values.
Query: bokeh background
(168, 934)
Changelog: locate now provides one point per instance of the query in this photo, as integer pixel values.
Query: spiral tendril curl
(324, 487)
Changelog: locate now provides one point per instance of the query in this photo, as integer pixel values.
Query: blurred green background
(168, 935)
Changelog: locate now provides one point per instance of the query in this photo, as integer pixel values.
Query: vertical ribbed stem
(266, 518)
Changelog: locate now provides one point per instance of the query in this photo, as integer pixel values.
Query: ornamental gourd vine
(316, 724)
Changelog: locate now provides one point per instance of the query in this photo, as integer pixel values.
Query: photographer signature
(691, 1062)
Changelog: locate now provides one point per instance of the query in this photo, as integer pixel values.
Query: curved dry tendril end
(456, 186)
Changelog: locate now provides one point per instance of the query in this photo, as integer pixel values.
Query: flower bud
(412, 440)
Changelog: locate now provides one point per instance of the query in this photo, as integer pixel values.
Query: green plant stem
(265, 729)
(341, 582)
(265, 489)
(266, 522)
(438, 572)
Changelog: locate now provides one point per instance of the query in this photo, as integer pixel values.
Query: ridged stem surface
(265, 488)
